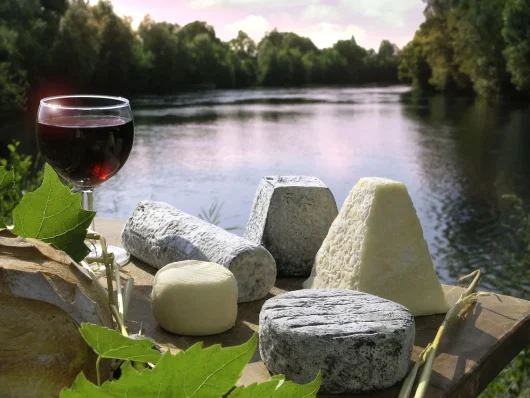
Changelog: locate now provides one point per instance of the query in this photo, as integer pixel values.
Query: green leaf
(54, 215)
(109, 343)
(196, 372)
(7, 182)
(278, 387)
(215, 370)
(82, 388)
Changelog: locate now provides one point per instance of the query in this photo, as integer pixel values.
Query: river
(457, 157)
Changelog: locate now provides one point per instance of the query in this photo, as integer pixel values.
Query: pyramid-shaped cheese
(376, 245)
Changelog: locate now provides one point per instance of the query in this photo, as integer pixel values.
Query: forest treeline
(68, 46)
(480, 46)
(49, 46)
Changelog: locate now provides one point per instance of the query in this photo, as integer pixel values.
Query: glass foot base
(121, 255)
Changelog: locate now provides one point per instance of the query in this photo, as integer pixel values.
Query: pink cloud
(374, 20)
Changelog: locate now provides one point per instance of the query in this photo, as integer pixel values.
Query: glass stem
(88, 204)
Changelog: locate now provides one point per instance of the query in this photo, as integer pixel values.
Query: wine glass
(86, 139)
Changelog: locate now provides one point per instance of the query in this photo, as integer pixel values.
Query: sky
(323, 21)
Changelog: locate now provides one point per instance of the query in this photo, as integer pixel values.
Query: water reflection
(472, 155)
(458, 157)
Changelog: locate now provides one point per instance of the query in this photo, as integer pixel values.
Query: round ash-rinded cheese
(360, 342)
(194, 298)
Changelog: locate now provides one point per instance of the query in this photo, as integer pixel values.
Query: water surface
(458, 157)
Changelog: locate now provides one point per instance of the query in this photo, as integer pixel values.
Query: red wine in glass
(85, 150)
(86, 139)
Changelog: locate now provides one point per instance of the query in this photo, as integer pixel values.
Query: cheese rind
(376, 245)
(290, 217)
(358, 341)
(194, 298)
(159, 234)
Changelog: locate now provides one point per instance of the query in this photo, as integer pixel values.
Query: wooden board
(473, 351)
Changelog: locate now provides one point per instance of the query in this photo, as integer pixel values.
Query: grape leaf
(196, 372)
(7, 182)
(82, 388)
(54, 215)
(278, 387)
(109, 343)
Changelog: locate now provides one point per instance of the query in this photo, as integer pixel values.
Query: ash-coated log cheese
(159, 234)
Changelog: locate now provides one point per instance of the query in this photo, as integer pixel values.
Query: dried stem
(119, 296)
(91, 235)
(406, 389)
(119, 320)
(98, 372)
(473, 285)
(108, 270)
(99, 287)
(117, 302)
(127, 296)
(92, 260)
(468, 297)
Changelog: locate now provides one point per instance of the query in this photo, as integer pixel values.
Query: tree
(243, 60)
(117, 60)
(313, 68)
(12, 81)
(75, 52)
(27, 31)
(433, 43)
(334, 67)
(475, 45)
(355, 70)
(268, 65)
(384, 65)
(36, 23)
(516, 33)
(293, 41)
(210, 60)
(243, 45)
(13, 92)
(50, 47)
(414, 67)
(209, 56)
(387, 49)
(196, 28)
(169, 55)
(478, 45)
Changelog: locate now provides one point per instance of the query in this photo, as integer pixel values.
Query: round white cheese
(195, 298)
